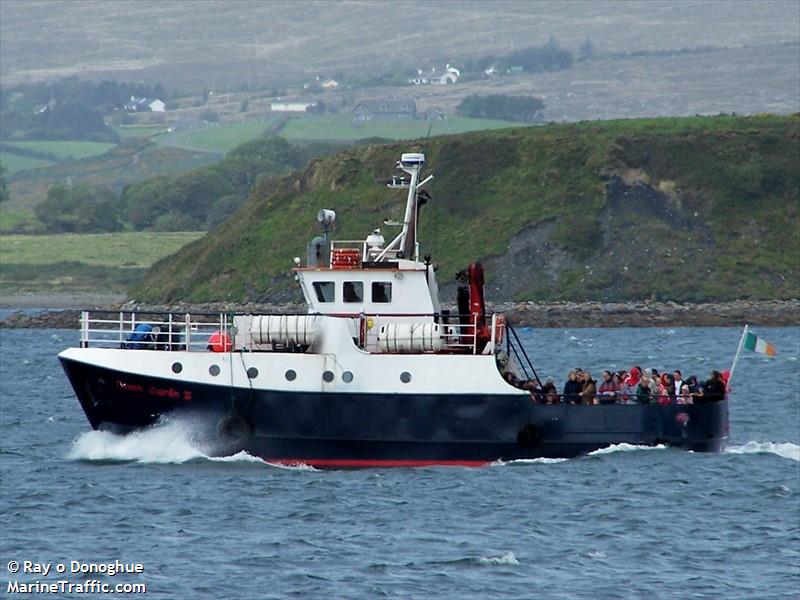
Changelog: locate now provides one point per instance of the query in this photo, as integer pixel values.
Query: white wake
(625, 447)
(527, 461)
(169, 442)
(614, 448)
(785, 449)
(506, 559)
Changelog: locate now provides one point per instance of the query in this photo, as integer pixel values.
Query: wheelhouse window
(353, 291)
(381, 291)
(325, 291)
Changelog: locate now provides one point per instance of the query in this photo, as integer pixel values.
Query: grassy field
(223, 138)
(59, 149)
(329, 127)
(129, 249)
(62, 149)
(102, 263)
(220, 138)
(15, 163)
(138, 131)
(129, 162)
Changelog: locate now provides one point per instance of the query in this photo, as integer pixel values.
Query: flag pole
(738, 351)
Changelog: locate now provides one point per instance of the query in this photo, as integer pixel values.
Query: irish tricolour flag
(755, 343)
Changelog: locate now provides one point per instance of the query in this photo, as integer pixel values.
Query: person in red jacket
(608, 389)
(628, 390)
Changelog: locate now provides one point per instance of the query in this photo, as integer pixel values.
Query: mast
(406, 241)
(738, 352)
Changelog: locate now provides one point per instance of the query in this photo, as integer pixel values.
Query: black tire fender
(529, 435)
(234, 429)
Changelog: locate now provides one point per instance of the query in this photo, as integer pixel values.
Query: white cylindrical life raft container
(283, 329)
(410, 337)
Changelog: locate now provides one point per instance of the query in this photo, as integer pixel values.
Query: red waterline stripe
(346, 462)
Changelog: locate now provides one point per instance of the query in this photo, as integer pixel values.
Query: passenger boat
(376, 373)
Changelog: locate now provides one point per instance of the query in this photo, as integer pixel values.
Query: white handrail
(192, 332)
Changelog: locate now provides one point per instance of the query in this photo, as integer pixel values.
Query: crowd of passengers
(636, 386)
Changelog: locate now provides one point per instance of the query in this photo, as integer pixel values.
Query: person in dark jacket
(643, 394)
(714, 388)
(513, 379)
(572, 389)
(550, 392)
(695, 391)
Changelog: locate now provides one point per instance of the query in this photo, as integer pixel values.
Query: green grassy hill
(686, 209)
(220, 138)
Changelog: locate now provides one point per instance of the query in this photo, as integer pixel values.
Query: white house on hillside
(449, 75)
(145, 104)
(157, 106)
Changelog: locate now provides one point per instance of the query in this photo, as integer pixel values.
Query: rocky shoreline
(532, 314)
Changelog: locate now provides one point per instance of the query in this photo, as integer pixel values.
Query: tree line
(501, 106)
(197, 200)
(533, 59)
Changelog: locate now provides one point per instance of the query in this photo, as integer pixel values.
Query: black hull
(357, 430)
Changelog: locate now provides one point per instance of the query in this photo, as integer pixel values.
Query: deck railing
(152, 330)
(198, 331)
(366, 253)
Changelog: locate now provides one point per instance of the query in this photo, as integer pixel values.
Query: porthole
(347, 377)
(252, 372)
(327, 376)
(291, 375)
(177, 367)
(405, 376)
(214, 370)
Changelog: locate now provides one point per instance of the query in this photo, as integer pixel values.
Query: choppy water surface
(625, 522)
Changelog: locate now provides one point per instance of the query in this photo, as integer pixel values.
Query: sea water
(623, 522)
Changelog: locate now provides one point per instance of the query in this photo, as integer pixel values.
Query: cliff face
(694, 209)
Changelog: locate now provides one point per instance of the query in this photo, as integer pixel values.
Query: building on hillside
(432, 77)
(369, 110)
(329, 84)
(157, 105)
(46, 107)
(145, 104)
(292, 106)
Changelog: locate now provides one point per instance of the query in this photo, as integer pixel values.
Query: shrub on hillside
(79, 209)
(500, 106)
(222, 209)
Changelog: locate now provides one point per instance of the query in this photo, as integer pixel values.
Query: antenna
(327, 218)
(427, 137)
(424, 199)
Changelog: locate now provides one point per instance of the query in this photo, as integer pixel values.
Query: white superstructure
(374, 324)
